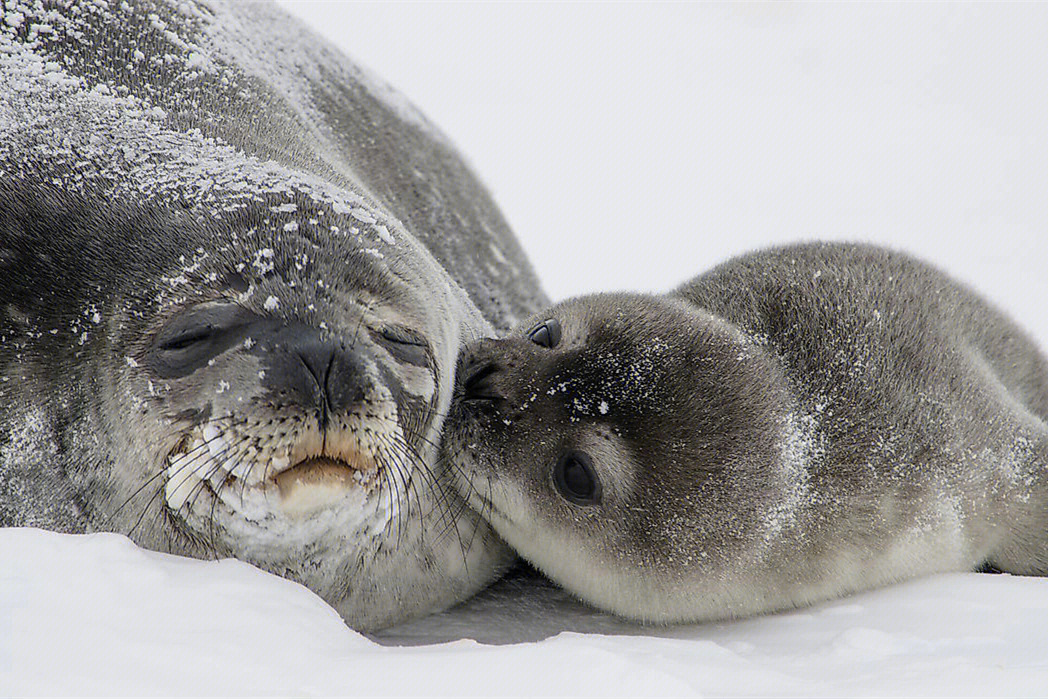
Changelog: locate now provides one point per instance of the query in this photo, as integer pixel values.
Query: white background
(634, 146)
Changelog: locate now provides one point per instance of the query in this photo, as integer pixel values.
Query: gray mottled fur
(794, 425)
(155, 155)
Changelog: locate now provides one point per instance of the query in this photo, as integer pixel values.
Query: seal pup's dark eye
(576, 479)
(405, 345)
(546, 334)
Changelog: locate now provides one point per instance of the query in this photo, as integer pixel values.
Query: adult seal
(794, 425)
(235, 275)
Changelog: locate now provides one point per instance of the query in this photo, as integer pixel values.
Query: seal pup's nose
(479, 384)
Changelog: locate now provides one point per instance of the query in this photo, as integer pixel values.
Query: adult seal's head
(794, 425)
(235, 276)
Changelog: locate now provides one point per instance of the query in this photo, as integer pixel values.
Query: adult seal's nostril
(479, 384)
(346, 383)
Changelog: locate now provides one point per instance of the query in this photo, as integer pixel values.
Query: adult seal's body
(792, 426)
(235, 275)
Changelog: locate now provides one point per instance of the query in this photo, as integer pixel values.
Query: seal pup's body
(795, 425)
(236, 272)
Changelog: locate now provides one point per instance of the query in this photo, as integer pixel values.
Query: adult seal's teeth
(217, 445)
(232, 465)
(217, 479)
(241, 468)
(210, 432)
(182, 463)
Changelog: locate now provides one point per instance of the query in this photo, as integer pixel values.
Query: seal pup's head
(628, 446)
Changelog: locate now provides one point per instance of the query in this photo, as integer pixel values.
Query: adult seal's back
(794, 425)
(235, 275)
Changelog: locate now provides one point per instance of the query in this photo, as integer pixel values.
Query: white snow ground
(94, 615)
(631, 147)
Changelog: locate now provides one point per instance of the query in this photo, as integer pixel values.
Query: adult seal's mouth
(207, 459)
(318, 481)
(235, 277)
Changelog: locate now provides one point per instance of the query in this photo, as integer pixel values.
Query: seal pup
(792, 426)
(236, 272)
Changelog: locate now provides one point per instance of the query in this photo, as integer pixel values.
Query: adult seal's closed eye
(235, 275)
(794, 425)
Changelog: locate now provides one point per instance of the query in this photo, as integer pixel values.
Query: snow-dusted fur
(792, 426)
(157, 157)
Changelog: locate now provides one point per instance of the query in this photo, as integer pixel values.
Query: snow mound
(84, 615)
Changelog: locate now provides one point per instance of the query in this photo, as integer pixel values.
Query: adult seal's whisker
(441, 494)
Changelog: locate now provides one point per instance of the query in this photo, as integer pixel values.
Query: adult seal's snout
(335, 378)
(319, 373)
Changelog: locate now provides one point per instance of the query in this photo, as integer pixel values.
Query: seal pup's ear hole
(576, 479)
(546, 334)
